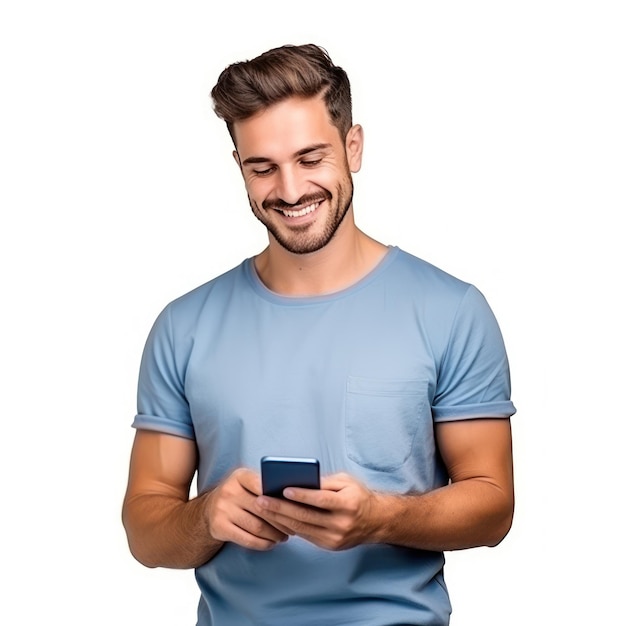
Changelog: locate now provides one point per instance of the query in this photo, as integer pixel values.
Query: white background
(495, 148)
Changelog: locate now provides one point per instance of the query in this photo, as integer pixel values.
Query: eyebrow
(299, 153)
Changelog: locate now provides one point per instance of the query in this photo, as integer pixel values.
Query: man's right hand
(166, 528)
(230, 510)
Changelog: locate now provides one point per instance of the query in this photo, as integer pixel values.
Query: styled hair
(248, 87)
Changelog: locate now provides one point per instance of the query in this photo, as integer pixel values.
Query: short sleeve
(473, 379)
(161, 402)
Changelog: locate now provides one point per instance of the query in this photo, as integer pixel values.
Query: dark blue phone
(279, 472)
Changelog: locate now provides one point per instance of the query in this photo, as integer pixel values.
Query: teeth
(305, 211)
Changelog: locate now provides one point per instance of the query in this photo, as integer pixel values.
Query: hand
(338, 516)
(232, 516)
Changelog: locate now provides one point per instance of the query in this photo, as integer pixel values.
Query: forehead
(285, 128)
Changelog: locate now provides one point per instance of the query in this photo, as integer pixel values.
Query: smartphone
(279, 472)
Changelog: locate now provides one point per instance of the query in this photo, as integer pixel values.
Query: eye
(311, 162)
(265, 172)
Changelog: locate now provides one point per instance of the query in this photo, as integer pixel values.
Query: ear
(354, 147)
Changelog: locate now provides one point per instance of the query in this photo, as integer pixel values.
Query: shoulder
(440, 300)
(210, 292)
(182, 315)
(427, 279)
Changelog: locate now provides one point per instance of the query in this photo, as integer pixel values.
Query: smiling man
(326, 344)
(299, 187)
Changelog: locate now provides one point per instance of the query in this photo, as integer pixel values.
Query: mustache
(281, 205)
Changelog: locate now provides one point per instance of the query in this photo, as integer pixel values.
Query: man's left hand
(338, 516)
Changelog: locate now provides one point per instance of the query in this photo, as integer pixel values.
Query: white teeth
(301, 212)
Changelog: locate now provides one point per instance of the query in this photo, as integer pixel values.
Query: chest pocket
(383, 419)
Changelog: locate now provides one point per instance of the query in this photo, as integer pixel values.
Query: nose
(289, 188)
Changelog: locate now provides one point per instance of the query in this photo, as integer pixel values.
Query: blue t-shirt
(355, 378)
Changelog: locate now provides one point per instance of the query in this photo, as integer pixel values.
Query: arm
(167, 529)
(475, 509)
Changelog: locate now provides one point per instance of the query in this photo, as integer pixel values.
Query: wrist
(382, 512)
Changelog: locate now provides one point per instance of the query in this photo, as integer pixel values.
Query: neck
(350, 255)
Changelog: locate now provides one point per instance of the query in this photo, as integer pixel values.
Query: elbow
(139, 552)
(136, 546)
(143, 560)
(141, 556)
(500, 527)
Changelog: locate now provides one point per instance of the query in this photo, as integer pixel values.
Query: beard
(308, 238)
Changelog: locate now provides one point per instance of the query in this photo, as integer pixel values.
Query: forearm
(164, 531)
(465, 514)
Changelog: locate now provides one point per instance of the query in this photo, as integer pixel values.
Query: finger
(232, 506)
(336, 482)
(314, 529)
(250, 481)
(252, 542)
(273, 527)
(249, 530)
(322, 528)
(260, 528)
(280, 527)
(289, 514)
(325, 499)
(269, 510)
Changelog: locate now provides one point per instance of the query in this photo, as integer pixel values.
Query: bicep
(161, 464)
(478, 449)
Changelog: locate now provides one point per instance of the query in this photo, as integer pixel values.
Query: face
(297, 172)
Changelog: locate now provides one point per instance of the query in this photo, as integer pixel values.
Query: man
(327, 344)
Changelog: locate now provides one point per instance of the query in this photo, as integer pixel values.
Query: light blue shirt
(356, 379)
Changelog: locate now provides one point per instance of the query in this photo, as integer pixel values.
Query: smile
(305, 211)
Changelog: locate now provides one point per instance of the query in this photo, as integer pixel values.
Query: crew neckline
(267, 294)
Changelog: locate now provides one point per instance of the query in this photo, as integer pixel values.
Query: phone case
(277, 473)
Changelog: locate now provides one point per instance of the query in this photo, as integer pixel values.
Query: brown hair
(247, 87)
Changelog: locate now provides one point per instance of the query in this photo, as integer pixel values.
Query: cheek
(327, 179)
(258, 190)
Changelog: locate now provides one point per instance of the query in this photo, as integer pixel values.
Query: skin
(291, 154)
(291, 157)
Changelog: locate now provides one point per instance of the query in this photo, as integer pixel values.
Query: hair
(248, 87)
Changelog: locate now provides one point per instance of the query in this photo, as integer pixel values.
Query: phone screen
(277, 473)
